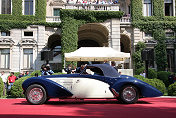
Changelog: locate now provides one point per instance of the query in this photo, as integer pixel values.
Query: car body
(94, 81)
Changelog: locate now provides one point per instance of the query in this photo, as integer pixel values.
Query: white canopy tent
(96, 54)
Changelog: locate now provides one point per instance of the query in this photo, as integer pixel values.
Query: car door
(87, 86)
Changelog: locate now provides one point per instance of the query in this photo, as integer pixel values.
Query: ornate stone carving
(170, 41)
(57, 2)
(28, 41)
(6, 41)
(150, 41)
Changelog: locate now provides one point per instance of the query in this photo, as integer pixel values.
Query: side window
(5, 33)
(147, 8)
(56, 12)
(5, 6)
(28, 33)
(5, 58)
(94, 71)
(28, 7)
(28, 58)
(168, 7)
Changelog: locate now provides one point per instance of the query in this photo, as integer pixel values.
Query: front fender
(145, 89)
(52, 88)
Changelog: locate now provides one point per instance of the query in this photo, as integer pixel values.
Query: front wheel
(129, 94)
(36, 94)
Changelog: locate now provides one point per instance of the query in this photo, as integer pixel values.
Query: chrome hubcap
(129, 93)
(35, 95)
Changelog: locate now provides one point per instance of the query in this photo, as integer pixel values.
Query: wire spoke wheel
(129, 94)
(36, 94)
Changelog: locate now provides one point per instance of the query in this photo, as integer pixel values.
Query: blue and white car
(95, 81)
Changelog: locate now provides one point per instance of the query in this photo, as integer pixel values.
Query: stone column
(174, 8)
(115, 34)
(15, 62)
(136, 36)
(41, 43)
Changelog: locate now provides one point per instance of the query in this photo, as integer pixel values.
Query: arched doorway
(125, 43)
(54, 45)
(92, 35)
(53, 41)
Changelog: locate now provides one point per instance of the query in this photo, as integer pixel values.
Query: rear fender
(145, 89)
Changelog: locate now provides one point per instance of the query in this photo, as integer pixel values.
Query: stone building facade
(20, 49)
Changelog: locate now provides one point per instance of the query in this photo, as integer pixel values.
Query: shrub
(59, 73)
(137, 55)
(1, 87)
(17, 74)
(37, 71)
(158, 84)
(172, 89)
(139, 71)
(163, 75)
(151, 72)
(16, 90)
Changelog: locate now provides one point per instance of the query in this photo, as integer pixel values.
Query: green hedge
(138, 63)
(172, 89)
(1, 87)
(151, 72)
(163, 75)
(16, 90)
(153, 82)
(139, 71)
(90, 16)
(37, 71)
(59, 73)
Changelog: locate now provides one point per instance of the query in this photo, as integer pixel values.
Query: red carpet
(145, 108)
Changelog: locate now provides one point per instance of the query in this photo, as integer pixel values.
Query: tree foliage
(157, 23)
(1, 87)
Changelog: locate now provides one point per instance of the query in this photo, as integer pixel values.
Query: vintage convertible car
(95, 81)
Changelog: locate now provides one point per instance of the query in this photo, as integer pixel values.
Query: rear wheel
(36, 94)
(129, 94)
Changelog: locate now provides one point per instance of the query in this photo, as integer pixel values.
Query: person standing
(27, 74)
(11, 80)
(113, 64)
(143, 74)
(44, 71)
(68, 69)
(49, 69)
(4, 79)
(171, 78)
(21, 75)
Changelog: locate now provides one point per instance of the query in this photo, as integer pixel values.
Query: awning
(96, 54)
